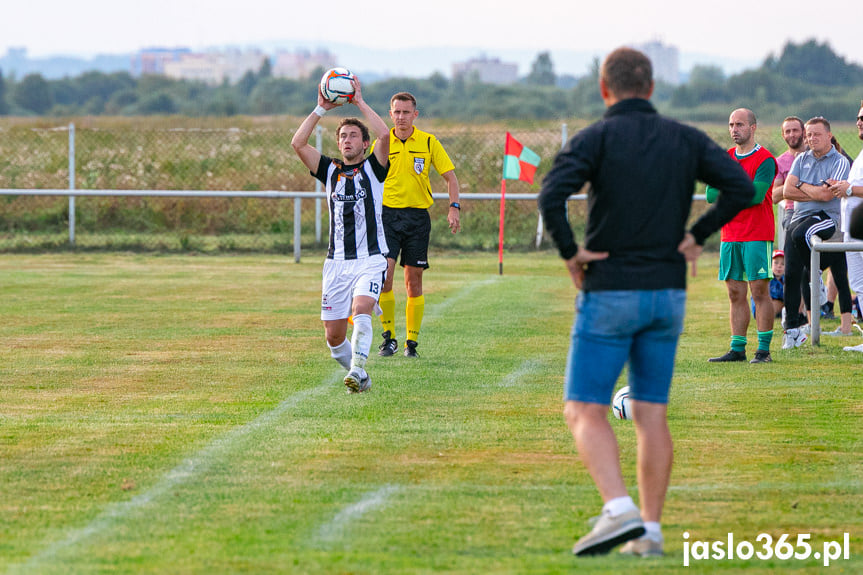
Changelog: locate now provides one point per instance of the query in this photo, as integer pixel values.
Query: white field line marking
(528, 367)
(200, 461)
(335, 528)
(192, 466)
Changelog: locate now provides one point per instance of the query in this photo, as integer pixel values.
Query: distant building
(665, 60)
(214, 67)
(16, 62)
(16, 53)
(153, 60)
(301, 63)
(487, 70)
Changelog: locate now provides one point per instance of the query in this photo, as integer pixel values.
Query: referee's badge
(419, 165)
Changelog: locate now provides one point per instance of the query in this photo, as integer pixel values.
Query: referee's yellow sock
(414, 315)
(387, 302)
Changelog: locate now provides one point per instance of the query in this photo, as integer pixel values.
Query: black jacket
(642, 168)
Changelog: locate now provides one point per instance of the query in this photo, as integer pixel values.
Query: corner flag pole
(500, 233)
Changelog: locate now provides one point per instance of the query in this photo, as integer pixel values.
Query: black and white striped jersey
(354, 197)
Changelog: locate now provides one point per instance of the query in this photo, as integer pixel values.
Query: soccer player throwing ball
(355, 268)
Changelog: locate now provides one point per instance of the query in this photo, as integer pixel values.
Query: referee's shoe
(411, 348)
(389, 346)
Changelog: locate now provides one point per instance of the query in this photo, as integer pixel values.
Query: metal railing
(818, 246)
(265, 194)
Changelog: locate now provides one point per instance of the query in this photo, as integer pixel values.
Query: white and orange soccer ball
(336, 85)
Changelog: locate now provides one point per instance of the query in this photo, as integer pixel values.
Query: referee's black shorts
(407, 231)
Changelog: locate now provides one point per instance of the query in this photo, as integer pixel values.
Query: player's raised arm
(377, 125)
(308, 154)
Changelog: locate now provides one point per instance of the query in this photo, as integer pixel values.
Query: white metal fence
(266, 194)
(818, 246)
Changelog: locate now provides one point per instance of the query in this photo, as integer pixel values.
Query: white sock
(342, 353)
(361, 340)
(653, 530)
(618, 505)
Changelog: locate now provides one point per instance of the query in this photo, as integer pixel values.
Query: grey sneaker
(730, 356)
(838, 333)
(761, 356)
(358, 381)
(644, 546)
(389, 346)
(609, 532)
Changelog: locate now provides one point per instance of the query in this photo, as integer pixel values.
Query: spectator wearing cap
(777, 284)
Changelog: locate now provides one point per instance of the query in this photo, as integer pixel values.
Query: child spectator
(777, 284)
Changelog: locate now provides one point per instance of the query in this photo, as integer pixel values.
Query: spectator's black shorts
(407, 231)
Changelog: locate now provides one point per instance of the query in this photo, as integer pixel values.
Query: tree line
(805, 79)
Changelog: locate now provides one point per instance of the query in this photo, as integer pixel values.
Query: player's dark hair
(403, 97)
(627, 73)
(354, 122)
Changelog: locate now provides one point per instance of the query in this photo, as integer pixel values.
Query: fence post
(72, 184)
(815, 291)
(318, 186)
(298, 212)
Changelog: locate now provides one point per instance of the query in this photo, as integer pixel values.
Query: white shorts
(343, 280)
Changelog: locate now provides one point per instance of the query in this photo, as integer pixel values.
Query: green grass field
(181, 414)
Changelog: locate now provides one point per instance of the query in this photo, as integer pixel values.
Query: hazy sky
(88, 27)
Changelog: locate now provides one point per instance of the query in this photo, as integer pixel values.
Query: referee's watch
(455, 205)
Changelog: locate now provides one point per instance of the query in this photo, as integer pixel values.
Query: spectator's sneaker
(838, 333)
(389, 346)
(793, 337)
(644, 546)
(761, 356)
(853, 348)
(357, 381)
(730, 356)
(411, 348)
(827, 311)
(608, 532)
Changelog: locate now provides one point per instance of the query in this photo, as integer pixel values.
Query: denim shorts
(615, 327)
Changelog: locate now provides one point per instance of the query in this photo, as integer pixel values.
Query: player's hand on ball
(324, 103)
(358, 94)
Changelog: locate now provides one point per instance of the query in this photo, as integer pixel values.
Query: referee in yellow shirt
(407, 224)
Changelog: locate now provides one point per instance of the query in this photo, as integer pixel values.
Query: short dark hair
(819, 120)
(794, 119)
(403, 97)
(627, 73)
(354, 122)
